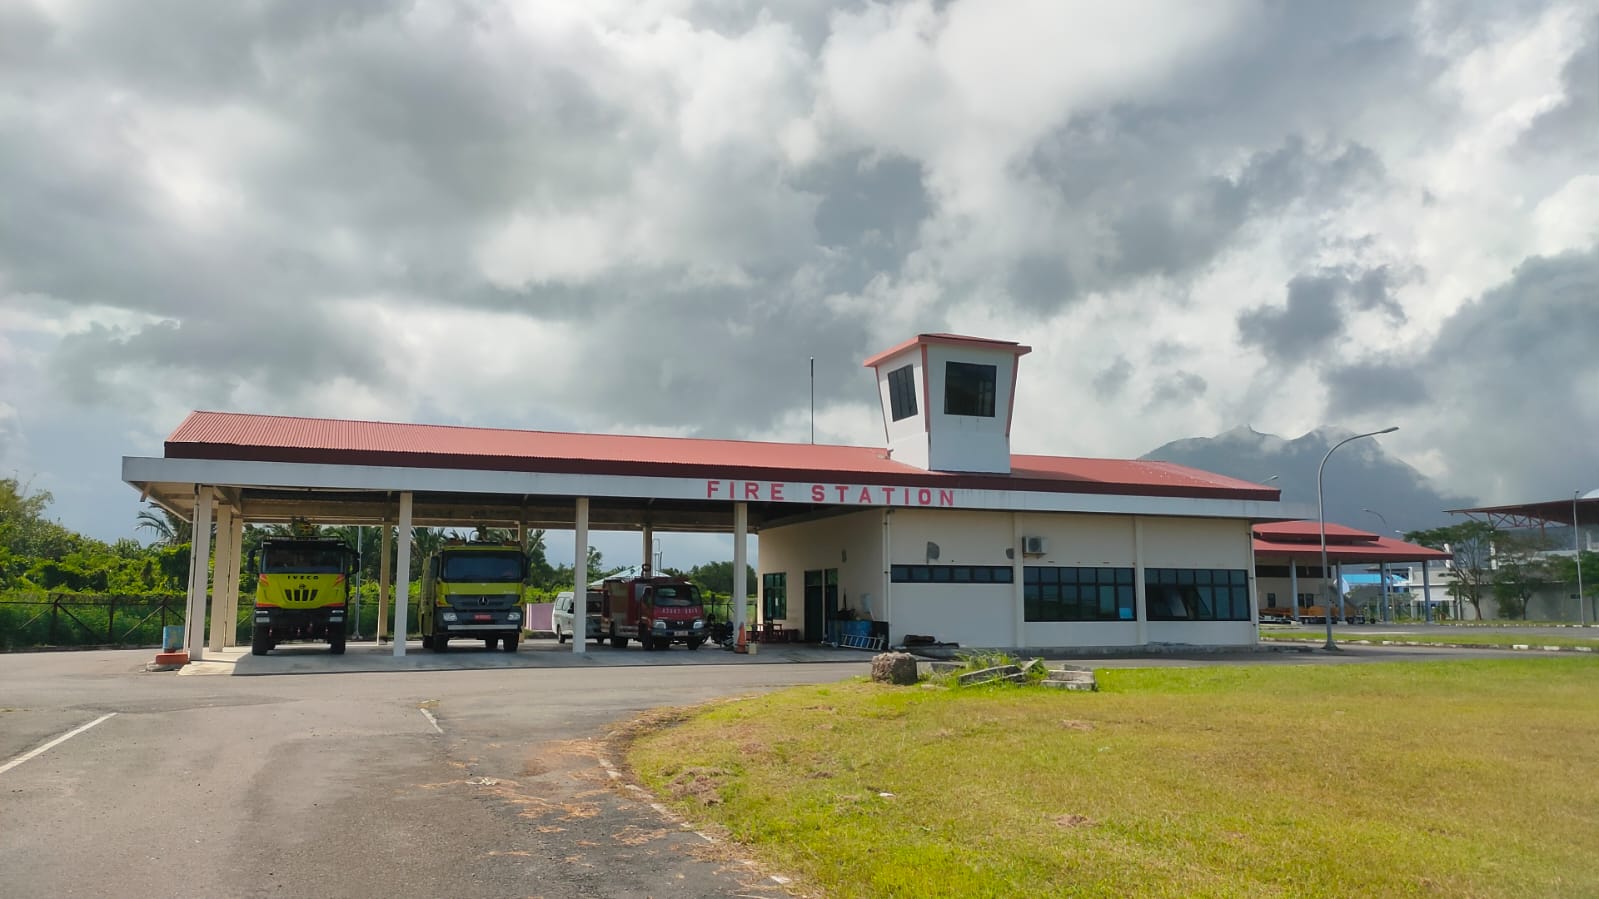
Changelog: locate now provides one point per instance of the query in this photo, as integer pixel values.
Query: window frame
(902, 393)
(774, 582)
(1094, 594)
(978, 382)
(1205, 594)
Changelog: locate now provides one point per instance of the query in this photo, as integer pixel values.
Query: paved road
(338, 784)
(335, 782)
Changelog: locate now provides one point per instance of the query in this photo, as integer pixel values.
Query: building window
(1196, 594)
(951, 574)
(1051, 593)
(969, 389)
(774, 596)
(902, 392)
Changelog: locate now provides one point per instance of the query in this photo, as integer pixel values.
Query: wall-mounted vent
(1034, 546)
(932, 551)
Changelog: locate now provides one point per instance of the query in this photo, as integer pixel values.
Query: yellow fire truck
(302, 589)
(472, 590)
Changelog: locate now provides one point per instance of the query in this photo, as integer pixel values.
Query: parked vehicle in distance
(561, 616)
(472, 590)
(656, 611)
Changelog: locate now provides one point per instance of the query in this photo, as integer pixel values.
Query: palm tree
(169, 529)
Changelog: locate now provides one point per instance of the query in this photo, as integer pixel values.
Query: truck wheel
(336, 642)
(490, 642)
(427, 642)
(440, 643)
(559, 637)
(695, 642)
(509, 643)
(260, 641)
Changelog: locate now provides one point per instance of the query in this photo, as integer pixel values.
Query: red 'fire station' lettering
(851, 494)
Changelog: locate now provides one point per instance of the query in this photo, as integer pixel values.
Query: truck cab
(656, 611)
(472, 590)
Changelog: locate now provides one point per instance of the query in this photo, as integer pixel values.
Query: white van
(561, 616)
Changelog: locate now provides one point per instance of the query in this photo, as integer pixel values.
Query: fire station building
(941, 533)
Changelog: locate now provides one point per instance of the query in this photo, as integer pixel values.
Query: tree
(1563, 570)
(717, 577)
(24, 530)
(1518, 573)
(169, 529)
(1470, 546)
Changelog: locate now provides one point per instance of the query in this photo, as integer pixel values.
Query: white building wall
(850, 543)
(907, 438)
(968, 614)
(1197, 543)
(986, 615)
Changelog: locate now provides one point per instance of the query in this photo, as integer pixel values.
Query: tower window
(902, 393)
(969, 389)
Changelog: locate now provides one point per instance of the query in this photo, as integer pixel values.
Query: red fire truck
(656, 611)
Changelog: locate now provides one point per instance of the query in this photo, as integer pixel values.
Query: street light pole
(1321, 516)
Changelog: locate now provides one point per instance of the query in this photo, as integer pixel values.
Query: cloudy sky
(644, 216)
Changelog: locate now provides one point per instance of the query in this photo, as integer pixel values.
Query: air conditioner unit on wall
(1034, 546)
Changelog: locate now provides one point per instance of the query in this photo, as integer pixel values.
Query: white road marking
(431, 720)
(53, 743)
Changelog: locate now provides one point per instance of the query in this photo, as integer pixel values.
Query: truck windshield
(499, 568)
(311, 559)
(677, 595)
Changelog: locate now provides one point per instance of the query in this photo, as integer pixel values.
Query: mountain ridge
(1363, 486)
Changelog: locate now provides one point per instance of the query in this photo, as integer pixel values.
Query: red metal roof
(950, 340)
(1302, 540)
(1566, 511)
(270, 438)
(1290, 531)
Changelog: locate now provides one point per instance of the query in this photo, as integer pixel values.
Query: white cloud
(413, 212)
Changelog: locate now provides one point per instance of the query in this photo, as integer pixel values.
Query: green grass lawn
(1452, 636)
(1472, 778)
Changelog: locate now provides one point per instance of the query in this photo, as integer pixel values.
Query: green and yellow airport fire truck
(472, 590)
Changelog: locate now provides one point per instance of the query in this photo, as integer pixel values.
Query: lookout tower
(947, 401)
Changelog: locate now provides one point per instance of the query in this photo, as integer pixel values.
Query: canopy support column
(231, 637)
(385, 578)
(580, 577)
(227, 571)
(402, 577)
(1293, 587)
(741, 527)
(199, 573)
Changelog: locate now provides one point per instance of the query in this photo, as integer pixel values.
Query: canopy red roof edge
(982, 343)
(1382, 549)
(269, 438)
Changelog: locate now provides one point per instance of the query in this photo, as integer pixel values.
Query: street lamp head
(1389, 430)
